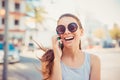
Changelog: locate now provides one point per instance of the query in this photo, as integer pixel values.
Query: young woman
(66, 61)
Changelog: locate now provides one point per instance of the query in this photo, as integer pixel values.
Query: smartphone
(60, 43)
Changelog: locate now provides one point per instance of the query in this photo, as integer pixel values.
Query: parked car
(13, 53)
(31, 46)
(107, 44)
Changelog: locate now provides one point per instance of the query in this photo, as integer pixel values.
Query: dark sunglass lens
(72, 27)
(60, 29)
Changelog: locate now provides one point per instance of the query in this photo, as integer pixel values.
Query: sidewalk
(11, 75)
(115, 50)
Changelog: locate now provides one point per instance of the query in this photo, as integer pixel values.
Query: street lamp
(5, 42)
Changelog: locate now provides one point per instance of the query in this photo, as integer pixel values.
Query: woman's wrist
(57, 59)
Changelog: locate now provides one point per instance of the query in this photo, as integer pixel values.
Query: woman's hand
(57, 50)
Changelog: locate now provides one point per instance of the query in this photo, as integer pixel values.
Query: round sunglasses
(72, 27)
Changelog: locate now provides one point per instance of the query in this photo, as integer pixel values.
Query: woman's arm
(56, 71)
(95, 68)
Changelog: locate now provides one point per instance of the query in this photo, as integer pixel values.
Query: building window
(17, 6)
(3, 4)
(16, 22)
(1, 37)
(3, 21)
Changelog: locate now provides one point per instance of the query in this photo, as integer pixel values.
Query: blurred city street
(28, 67)
(23, 21)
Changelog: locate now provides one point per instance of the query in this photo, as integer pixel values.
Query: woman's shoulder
(94, 57)
(95, 67)
(95, 60)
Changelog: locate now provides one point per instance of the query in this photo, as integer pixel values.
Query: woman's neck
(71, 52)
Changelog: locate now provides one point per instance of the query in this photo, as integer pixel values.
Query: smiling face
(70, 39)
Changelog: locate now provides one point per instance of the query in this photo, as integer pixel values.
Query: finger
(54, 40)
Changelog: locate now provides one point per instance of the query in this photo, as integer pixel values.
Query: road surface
(26, 68)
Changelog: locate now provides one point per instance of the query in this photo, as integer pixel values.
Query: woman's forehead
(66, 20)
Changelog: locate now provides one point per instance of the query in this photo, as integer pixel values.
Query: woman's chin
(68, 45)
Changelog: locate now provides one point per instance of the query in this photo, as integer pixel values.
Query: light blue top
(81, 73)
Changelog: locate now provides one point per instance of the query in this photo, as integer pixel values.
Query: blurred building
(97, 33)
(16, 20)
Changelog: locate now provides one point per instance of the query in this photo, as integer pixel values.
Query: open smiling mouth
(69, 38)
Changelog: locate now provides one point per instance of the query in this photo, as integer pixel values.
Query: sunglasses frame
(72, 27)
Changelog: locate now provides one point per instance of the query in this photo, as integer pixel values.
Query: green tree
(115, 32)
(99, 33)
(38, 12)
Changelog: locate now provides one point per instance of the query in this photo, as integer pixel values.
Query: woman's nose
(67, 31)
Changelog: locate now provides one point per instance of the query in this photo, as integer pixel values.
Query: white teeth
(68, 37)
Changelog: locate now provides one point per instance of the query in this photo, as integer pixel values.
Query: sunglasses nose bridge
(67, 31)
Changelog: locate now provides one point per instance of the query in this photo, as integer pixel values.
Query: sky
(106, 11)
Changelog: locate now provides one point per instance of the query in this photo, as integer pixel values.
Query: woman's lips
(68, 38)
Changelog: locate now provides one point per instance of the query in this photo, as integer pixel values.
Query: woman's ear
(81, 32)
